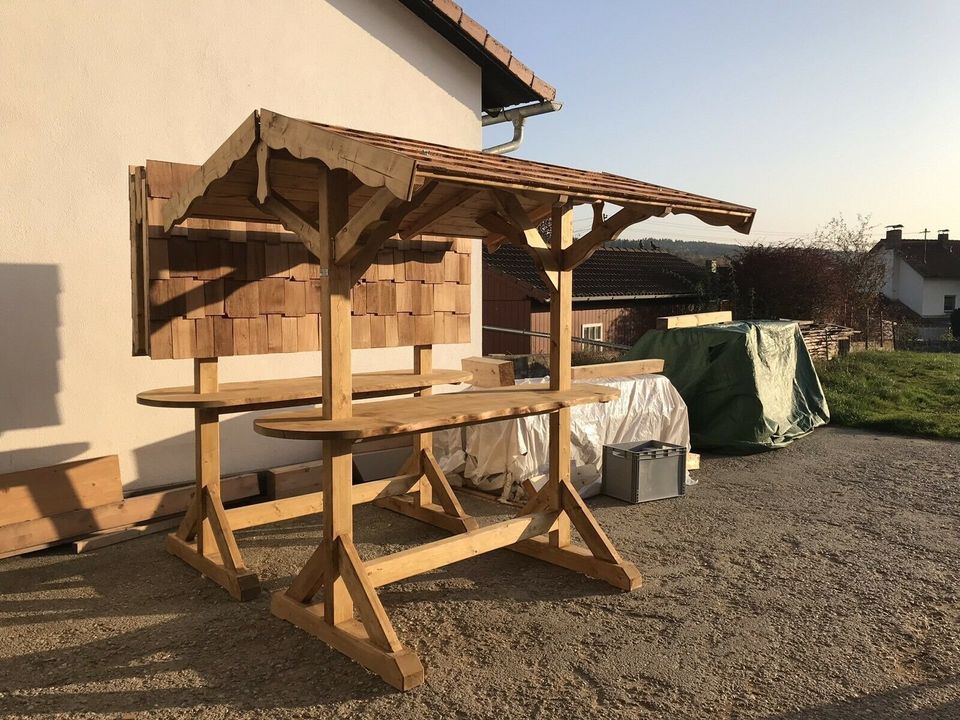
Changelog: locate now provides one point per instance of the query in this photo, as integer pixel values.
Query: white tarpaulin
(500, 455)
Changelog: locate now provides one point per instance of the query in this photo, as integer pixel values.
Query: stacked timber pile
(826, 341)
(82, 502)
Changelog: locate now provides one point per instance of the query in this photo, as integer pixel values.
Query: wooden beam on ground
(105, 538)
(440, 553)
(669, 322)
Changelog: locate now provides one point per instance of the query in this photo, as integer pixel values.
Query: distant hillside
(693, 250)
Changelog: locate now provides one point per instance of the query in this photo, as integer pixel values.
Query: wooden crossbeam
(440, 553)
(607, 230)
(312, 503)
(291, 218)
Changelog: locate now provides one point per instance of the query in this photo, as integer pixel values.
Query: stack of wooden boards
(83, 501)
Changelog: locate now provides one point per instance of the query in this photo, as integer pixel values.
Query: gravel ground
(820, 581)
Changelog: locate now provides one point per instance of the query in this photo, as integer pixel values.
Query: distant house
(617, 295)
(922, 276)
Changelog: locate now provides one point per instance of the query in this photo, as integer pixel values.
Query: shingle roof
(932, 258)
(608, 273)
(505, 80)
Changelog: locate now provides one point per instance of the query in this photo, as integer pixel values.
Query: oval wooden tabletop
(289, 391)
(435, 412)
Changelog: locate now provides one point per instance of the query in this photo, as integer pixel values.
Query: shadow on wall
(29, 347)
(172, 460)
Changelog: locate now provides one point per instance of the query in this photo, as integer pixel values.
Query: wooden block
(277, 260)
(194, 297)
(49, 530)
(693, 461)
(463, 328)
(385, 269)
(223, 343)
(445, 297)
(489, 372)
(292, 480)
(290, 330)
(272, 295)
(451, 267)
(308, 333)
(423, 299)
(358, 299)
(423, 329)
(405, 292)
(241, 336)
(378, 331)
(184, 337)
(449, 328)
(256, 260)
(405, 331)
(159, 259)
(242, 299)
(465, 268)
(387, 298)
(433, 267)
(31, 494)
(259, 335)
(295, 298)
(183, 257)
(360, 327)
(161, 340)
(299, 268)
(462, 299)
(413, 265)
(391, 331)
(274, 334)
(312, 292)
(205, 346)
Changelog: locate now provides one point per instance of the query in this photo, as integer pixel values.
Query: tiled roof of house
(608, 273)
(505, 80)
(932, 258)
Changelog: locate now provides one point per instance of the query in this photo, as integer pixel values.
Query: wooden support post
(561, 307)
(423, 363)
(214, 551)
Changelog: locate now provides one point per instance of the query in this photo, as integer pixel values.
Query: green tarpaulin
(749, 386)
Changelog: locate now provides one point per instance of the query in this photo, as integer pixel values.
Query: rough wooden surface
(425, 414)
(668, 322)
(289, 391)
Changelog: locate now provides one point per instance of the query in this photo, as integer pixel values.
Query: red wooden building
(618, 294)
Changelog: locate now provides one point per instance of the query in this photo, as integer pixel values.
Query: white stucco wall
(88, 88)
(910, 287)
(922, 295)
(933, 292)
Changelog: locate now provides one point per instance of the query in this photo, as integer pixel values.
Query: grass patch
(901, 392)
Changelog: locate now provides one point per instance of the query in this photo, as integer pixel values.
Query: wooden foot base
(402, 669)
(242, 584)
(432, 514)
(623, 574)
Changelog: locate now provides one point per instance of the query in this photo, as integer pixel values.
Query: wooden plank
(411, 415)
(105, 538)
(312, 503)
(625, 368)
(137, 509)
(623, 575)
(670, 322)
(423, 558)
(31, 494)
(489, 372)
(610, 229)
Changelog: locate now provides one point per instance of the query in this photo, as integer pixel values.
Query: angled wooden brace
(603, 231)
(291, 218)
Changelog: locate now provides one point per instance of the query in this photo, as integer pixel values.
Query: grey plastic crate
(641, 471)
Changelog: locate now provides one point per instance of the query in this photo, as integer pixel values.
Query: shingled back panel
(212, 289)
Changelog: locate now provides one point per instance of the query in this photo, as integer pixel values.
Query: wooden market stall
(348, 197)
